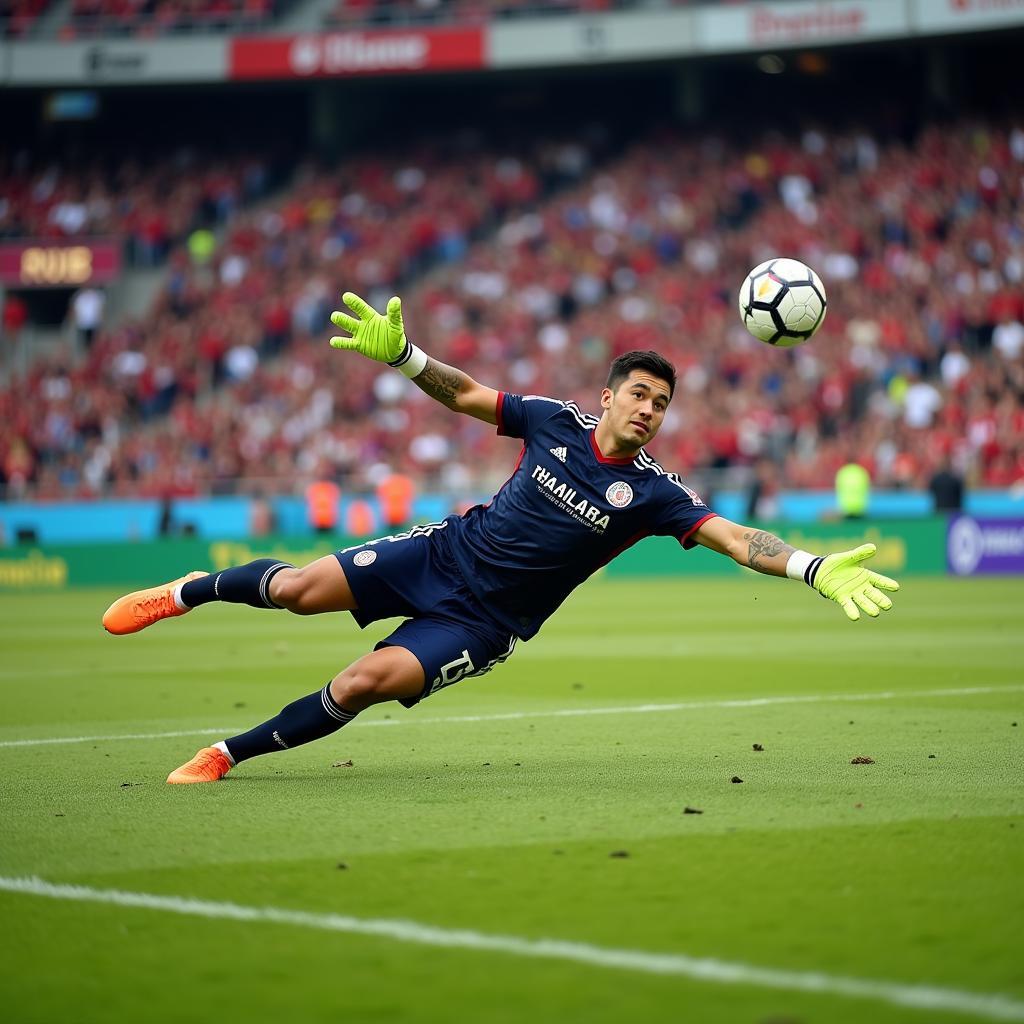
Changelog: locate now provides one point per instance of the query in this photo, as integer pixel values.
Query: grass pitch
(544, 801)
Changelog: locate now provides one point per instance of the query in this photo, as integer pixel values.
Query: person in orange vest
(395, 494)
(322, 497)
(359, 520)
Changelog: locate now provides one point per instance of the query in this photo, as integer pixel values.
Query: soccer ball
(782, 302)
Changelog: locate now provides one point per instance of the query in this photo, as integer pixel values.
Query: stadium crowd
(150, 201)
(17, 17)
(163, 17)
(351, 13)
(531, 271)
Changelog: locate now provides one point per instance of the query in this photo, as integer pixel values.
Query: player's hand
(379, 337)
(842, 578)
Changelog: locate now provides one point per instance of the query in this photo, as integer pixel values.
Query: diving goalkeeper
(469, 588)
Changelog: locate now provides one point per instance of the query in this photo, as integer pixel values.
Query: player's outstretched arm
(840, 577)
(382, 337)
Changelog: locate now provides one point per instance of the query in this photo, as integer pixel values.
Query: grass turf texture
(905, 870)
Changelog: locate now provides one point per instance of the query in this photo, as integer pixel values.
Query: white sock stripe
(991, 1006)
(332, 709)
(264, 596)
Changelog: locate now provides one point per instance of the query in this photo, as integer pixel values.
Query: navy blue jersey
(565, 511)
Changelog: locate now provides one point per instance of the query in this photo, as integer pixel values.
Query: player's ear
(606, 398)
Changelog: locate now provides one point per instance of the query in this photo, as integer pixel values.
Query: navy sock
(309, 718)
(242, 584)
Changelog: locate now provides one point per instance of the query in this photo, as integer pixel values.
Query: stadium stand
(350, 13)
(149, 18)
(149, 201)
(17, 17)
(509, 264)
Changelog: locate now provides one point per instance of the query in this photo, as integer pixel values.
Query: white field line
(511, 716)
(921, 997)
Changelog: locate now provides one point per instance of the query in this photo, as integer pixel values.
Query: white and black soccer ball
(782, 302)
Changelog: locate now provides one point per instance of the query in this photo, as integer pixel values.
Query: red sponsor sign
(59, 263)
(793, 24)
(398, 51)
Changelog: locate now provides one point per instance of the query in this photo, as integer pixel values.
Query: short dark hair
(647, 360)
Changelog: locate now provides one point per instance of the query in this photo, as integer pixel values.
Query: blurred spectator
(15, 316)
(762, 496)
(262, 521)
(947, 488)
(359, 519)
(87, 314)
(853, 490)
(201, 246)
(1008, 338)
(166, 526)
(322, 498)
(395, 493)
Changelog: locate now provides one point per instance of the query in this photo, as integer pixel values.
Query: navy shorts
(447, 629)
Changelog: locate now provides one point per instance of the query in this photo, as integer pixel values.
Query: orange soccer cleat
(142, 608)
(209, 765)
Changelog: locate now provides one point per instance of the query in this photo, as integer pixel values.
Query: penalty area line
(704, 969)
(513, 716)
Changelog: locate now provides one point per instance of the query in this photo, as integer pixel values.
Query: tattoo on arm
(763, 545)
(441, 382)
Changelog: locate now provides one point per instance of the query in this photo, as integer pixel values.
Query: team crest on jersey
(620, 494)
(364, 558)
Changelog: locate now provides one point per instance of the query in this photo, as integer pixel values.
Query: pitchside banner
(991, 547)
(904, 546)
(335, 54)
(145, 563)
(917, 546)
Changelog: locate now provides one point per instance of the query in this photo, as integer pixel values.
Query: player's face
(636, 409)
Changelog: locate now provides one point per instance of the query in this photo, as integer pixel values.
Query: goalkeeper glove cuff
(412, 360)
(802, 565)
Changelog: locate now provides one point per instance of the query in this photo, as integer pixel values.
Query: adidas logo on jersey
(559, 453)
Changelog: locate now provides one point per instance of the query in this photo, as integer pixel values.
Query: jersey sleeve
(682, 510)
(521, 415)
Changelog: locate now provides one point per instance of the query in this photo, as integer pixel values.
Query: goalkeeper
(469, 588)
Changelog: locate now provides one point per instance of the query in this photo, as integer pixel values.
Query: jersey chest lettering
(565, 497)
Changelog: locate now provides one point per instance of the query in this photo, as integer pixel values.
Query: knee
(290, 588)
(359, 687)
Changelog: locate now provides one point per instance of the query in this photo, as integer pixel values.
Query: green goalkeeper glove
(841, 578)
(379, 337)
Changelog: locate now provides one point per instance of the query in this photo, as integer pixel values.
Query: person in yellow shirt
(853, 490)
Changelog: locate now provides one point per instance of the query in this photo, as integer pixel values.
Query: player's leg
(390, 673)
(320, 586)
(266, 583)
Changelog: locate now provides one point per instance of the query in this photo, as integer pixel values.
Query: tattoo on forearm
(439, 381)
(763, 545)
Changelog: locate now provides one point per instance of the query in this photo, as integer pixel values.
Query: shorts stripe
(417, 531)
